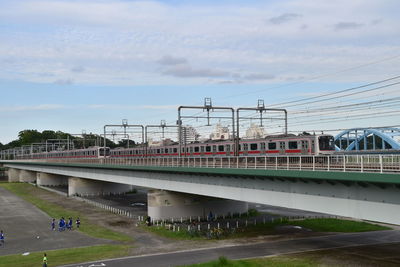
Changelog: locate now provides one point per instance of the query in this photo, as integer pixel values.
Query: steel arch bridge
(363, 139)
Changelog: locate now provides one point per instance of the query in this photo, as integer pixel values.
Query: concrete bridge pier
(168, 204)
(13, 175)
(27, 176)
(48, 179)
(92, 187)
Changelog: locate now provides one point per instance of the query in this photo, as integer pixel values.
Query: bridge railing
(342, 163)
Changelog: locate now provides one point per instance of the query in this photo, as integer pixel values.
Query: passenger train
(269, 146)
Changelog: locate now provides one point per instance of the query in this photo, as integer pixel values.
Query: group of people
(64, 224)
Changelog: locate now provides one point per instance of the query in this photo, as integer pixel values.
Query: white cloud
(42, 107)
(147, 42)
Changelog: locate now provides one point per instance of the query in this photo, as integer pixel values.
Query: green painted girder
(343, 177)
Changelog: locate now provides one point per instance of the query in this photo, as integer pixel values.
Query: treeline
(28, 137)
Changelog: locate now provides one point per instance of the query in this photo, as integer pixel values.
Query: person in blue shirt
(69, 225)
(1, 238)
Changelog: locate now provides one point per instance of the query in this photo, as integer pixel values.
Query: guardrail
(339, 163)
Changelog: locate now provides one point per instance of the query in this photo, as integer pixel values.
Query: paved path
(22, 223)
(253, 250)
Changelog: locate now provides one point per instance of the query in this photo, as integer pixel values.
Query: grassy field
(337, 225)
(269, 228)
(27, 192)
(65, 256)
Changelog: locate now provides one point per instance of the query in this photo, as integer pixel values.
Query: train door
(304, 146)
(228, 149)
(282, 147)
(262, 148)
(312, 146)
(202, 150)
(245, 149)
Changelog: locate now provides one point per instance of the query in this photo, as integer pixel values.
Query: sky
(78, 65)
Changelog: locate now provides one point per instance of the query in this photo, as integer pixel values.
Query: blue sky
(78, 65)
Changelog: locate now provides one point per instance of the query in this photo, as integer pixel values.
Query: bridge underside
(363, 200)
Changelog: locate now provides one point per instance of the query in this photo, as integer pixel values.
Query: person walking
(1, 238)
(44, 260)
(53, 224)
(78, 223)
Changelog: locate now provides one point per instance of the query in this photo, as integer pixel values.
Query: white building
(254, 132)
(189, 134)
(221, 133)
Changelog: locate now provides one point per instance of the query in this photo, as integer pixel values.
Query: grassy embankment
(65, 256)
(269, 228)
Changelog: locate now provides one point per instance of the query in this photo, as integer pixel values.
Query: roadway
(251, 251)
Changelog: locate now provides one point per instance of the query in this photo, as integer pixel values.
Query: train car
(269, 146)
(92, 152)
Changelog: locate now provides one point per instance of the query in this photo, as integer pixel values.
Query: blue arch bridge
(368, 140)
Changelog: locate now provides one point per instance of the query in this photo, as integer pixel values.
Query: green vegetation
(27, 192)
(337, 225)
(275, 261)
(268, 228)
(66, 256)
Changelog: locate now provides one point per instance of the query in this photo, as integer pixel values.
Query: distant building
(254, 132)
(189, 134)
(221, 133)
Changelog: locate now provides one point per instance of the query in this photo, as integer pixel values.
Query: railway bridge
(358, 186)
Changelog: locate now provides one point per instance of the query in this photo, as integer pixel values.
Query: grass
(337, 225)
(66, 256)
(316, 225)
(273, 262)
(27, 192)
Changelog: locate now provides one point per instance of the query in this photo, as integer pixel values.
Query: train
(279, 145)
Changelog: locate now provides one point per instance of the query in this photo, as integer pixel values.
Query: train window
(208, 149)
(221, 148)
(196, 149)
(245, 147)
(253, 146)
(166, 150)
(175, 150)
(262, 146)
(240, 147)
(292, 144)
(158, 151)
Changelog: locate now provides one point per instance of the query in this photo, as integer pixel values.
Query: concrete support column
(167, 204)
(82, 186)
(48, 179)
(27, 176)
(13, 175)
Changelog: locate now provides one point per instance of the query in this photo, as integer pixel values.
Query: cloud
(347, 26)
(78, 69)
(141, 107)
(32, 108)
(64, 81)
(186, 71)
(169, 60)
(284, 18)
(258, 76)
